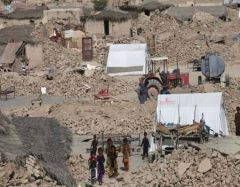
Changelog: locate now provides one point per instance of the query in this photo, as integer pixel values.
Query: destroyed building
(62, 13)
(18, 48)
(12, 57)
(109, 22)
(186, 13)
(187, 3)
(147, 7)
(21, 15)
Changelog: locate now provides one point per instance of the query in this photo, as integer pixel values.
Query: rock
(205, 165)
(237, 156)
(7, 171)
(149, 179)
(214, 154)
(182, 168)
(89, 73)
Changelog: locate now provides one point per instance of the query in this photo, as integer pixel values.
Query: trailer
(194, 132)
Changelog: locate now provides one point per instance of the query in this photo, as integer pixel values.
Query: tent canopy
(184, 108)
(127, 59)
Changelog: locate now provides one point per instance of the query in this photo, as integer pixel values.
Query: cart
(194, 132)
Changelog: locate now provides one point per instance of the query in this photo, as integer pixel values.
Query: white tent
(184, 108)
(127, 59)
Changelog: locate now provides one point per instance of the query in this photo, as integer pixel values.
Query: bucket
(185, 79)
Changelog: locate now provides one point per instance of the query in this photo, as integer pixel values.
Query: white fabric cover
(126, 57)
(179, 109)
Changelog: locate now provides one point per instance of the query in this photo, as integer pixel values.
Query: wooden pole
(102, 141)
(179, 114)
(195, 113)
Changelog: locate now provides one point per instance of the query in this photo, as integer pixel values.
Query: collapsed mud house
(62, 13)
(186, 13)
(19, 48)
(187, 3)
(22, 15)
(148, 7)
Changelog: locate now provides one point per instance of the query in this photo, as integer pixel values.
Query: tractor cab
(159, 78)
(156, 63)
(159, 68)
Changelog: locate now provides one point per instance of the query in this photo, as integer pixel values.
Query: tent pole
(179, 114)
(195, 113)
(202, 117)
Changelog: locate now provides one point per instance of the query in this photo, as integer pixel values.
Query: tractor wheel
(154, 88)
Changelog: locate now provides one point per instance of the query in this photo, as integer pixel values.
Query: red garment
(103, 92)
(126, 153)
(92, 161)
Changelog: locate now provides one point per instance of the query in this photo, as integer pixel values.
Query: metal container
(87, 49)
(212, 66)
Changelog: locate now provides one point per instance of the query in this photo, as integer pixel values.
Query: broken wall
(94, 27)
(115, 28)
(73, 13)
(34, 54)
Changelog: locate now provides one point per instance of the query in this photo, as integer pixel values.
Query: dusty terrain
(181, 42)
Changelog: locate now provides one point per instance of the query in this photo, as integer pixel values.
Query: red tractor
(157, 80)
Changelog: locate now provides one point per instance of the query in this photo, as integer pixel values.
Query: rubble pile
(98, 118)
(204, 18)
(59, 57)
(188, 167)
(156, 24)
(78, 167)
(100, 50)
(77, 85)
(69, 84)
(231, 101)
(30, 173)
(32, 156)
(54, 140)
(172, 40)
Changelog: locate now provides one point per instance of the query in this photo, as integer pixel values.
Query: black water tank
(212, 65)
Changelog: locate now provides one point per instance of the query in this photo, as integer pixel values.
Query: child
(92, 162)
(100, 166)
(126, 153)
(146, 145)
(107, 150)
(113, 167)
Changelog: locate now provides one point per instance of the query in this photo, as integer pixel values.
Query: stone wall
(34, 54)
(94, 27)
(115, 28)
(75, 13)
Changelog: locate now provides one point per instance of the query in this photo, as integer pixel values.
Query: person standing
(94, 144)
(237, 121)
(146, 145)
(113, 167)
(142, 91)
(92, 162)
(126, 151)
(100, 166)
(107, 150)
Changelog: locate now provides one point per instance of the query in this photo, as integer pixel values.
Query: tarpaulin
(184, 108)
(127, 59)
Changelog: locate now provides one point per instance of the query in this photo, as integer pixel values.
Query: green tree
(99, 4)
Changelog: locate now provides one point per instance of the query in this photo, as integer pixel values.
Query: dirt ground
(70, 101)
